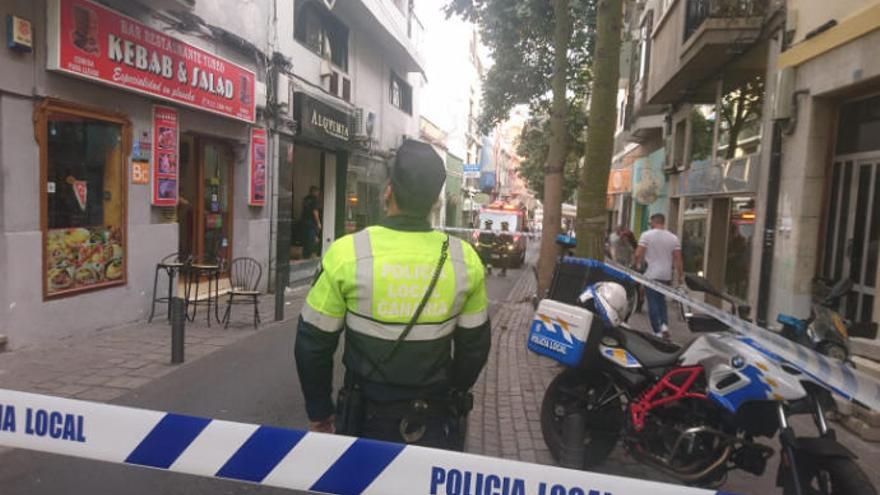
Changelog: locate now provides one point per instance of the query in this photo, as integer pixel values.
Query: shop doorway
(852, 231)
(308, 173)
(693, 236)
(204, 212)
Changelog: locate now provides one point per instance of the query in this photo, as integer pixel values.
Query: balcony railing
(699, 10)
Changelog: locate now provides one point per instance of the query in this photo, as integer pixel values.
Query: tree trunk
(558, 147)
(601, 124)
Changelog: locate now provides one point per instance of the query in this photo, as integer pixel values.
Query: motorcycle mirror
(701, 284)
(863, 329)
(839, 289)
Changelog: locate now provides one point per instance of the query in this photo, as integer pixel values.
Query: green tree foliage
(534, 147)
(519, 36)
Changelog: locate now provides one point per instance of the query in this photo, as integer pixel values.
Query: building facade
(771, 143)
(125, 136)
(135, 130)
(821, 213)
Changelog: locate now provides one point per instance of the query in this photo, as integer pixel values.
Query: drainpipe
(770, 216)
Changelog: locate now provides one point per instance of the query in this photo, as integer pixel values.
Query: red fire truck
(484, 242)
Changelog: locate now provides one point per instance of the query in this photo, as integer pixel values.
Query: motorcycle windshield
(828, 323)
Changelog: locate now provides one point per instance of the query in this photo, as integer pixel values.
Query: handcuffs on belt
(416, 421)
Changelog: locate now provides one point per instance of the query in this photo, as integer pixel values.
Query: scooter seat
(651, 351)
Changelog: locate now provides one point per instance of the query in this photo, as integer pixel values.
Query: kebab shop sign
(89, 40)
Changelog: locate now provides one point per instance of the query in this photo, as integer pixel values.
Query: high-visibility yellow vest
(371, 283)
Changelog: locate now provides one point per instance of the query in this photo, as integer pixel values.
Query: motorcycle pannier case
(560, 331)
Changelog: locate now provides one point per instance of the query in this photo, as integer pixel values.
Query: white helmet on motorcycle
(609, 299)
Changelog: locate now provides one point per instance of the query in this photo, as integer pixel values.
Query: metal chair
(195, 270)
(172, 266)
(244, 279)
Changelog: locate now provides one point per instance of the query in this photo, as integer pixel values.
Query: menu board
(257, 169)
(83, 257)
(165, 156)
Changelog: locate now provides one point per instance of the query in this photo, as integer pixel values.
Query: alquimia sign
(91, 41)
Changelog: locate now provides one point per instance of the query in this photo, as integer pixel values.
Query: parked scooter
(825, 330)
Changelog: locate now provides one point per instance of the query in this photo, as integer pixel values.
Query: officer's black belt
(406, 408)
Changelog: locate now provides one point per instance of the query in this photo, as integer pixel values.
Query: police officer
(504, 241)
(486, 242)
(406, 379)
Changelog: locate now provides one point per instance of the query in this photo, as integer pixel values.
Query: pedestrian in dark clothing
(311, 223)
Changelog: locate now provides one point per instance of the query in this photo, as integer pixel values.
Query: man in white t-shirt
(661, 250)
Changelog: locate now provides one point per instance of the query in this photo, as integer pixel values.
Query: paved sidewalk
(103, 365)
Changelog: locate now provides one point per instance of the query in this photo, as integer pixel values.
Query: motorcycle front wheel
(592, 395)
(831, 476)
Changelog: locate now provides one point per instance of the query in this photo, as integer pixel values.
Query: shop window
(739, 131)
(741, 230)
(401, 94)
(859, 126)
(321, 32)
(83, 198)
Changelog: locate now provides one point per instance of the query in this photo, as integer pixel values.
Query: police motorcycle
(694, 412)
(825, 329)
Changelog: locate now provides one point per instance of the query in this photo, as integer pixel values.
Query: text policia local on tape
(42, 423)
(461, 482)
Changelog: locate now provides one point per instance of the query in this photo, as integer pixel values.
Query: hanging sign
(257, 169)
(470, 171)
(81, 191)
(140, 172)
(91, 41)
(164, 174)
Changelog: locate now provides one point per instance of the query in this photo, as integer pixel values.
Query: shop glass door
(204, 212)
(693, 236)
(852, 231)
(216, 193)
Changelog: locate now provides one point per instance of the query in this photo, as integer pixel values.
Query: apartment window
(678, 142)
(645, 45)
(401, 94)
(702, 132)
(82, 155)
(316, 28)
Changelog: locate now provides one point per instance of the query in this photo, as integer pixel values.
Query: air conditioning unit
(260, 95)
(283, 91)
(363, 123)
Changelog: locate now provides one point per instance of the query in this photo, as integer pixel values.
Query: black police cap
(417, 176)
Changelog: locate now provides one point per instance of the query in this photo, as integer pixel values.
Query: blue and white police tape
(285, 458)
(847, 382)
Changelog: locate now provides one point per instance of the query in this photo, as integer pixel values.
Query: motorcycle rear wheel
(570, 392)
(845, 476)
